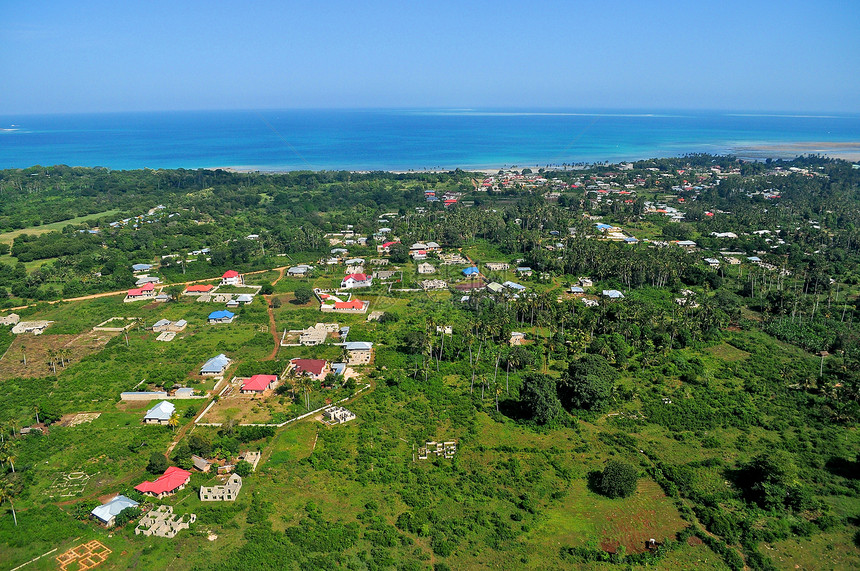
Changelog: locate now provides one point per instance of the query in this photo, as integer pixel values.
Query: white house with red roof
(356, 280)
(232, 277)
(352, 306)
(316, 369)
(198, 289)
(147, 291)
(258, 384)
(173, 480)
(385, 247)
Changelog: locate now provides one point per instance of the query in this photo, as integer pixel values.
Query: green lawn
(8, 237)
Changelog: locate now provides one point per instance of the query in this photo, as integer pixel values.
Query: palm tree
(6, 430)
(6, 493)
(7, 455)
(304, 384)
(52, 355)
(173, 421)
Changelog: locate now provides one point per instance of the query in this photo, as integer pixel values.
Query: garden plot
(68, 484)
(84, 556)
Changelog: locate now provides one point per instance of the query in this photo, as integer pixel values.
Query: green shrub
(618, 479)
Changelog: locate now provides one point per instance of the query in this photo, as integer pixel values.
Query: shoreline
(845, 150)
(759, 151)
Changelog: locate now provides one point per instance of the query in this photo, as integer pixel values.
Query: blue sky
(61, 56)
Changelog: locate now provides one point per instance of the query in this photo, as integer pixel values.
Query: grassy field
(832, 550)
(8, 237)
(585, 516)
(512, 496)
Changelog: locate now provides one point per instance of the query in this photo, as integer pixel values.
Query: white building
(338, 415)
(160, 413)
(226, 493)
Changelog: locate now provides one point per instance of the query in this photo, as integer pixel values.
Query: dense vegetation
(722, 401)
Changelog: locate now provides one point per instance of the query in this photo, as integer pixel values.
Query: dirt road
(280, 269)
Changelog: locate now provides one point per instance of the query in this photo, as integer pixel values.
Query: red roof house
(385, 248)
(202, 288)
(147, 290)
(259, 383)
(173, 480)
(231, 277)
(314, 368)
(354, 305)
(356, 280)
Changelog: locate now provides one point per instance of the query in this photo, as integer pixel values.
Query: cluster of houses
(447, 198)
(347, 238)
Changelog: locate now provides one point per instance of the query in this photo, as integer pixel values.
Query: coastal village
(224, 368)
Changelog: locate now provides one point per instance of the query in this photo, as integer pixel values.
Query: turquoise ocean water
(403, 139)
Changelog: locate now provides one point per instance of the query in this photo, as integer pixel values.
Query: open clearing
(68, 484)
(8, 237)
(728, 353)
(241, 408)
(38, 348)
(630, 522)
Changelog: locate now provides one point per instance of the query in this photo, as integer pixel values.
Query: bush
(127, 515)
(539, 397)
(618, 479)
(590, 392)
(303, 294)
(82, 509)
(242, 468)
(157, 463)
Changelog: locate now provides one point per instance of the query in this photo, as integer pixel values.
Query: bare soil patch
(75, 419)
(41, 350)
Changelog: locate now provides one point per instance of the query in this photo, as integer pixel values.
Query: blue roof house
(514, 286)
(215, 366)
(471, 271)
(106, 513)
(222, 316)
(160, 413)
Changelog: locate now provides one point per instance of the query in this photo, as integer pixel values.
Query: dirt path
(272, 327)
(182, 432)
(124, 291)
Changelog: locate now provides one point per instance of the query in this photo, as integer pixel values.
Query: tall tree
(7, 491)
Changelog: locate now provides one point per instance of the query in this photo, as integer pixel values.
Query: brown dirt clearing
(38, 348)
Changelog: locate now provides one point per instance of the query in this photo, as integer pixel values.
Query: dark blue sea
(409, 139)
